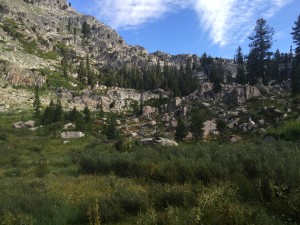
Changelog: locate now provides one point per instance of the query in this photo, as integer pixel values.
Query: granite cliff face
(53, 25)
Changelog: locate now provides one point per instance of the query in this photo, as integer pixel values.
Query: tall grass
(289, 131)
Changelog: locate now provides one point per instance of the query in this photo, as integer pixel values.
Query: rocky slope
(34, 36)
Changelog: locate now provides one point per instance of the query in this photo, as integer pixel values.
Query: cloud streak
(131, 14)
(225, 21)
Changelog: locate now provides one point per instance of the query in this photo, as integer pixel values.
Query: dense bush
(263, 174)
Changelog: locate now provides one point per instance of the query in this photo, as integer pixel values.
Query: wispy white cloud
(129, 14)
(231, 21)
(226, 21)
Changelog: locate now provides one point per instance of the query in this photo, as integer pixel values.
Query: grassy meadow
(90, 182)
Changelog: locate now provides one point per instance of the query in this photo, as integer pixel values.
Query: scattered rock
(174, 124)
(261, 122)
(233, 113)
(134, 135)
(69, 126)
(152, 123)
(148, 111)
(244, 130)
(261, 131)
(251, 122)
(235, 139)
(159, 140)
(18, 125)
(269, 139)
(33, 128)
(277, 111)
(136, 120)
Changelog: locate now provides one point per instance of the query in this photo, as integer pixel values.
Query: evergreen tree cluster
(181, 81)
(86, 74)
(53, 113)
(296, 62)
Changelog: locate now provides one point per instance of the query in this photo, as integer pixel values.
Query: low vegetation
(90, 181)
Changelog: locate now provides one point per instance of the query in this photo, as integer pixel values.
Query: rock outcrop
(18, 76)
(233, 93)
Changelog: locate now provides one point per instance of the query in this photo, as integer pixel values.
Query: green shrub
(289, 131)
(41, 168)
(122, 203)
(3, 136)
(220, 205)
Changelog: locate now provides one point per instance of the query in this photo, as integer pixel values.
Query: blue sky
(216, 27)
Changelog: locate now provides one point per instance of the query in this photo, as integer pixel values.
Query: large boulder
(71, 134)
(18, 125)
(30, 123)
(166, 142)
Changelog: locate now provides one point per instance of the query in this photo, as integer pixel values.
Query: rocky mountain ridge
(55, 24)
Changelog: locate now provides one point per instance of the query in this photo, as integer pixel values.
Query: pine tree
(197, 120)
(259, 51)
(82, 74)
(275, 67)
(69, 25)
(87, 115)
(65, 64)
(58, 111)
(48, 116)
(296, 63)
(296, 37)
(141, 106)
(73, 114)
(88, 70)
(111, 129)
(181, 130)
(79, 122)
(217, 87)
(86, 29)
(239, 59)
(37, 104)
